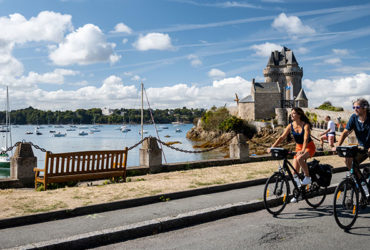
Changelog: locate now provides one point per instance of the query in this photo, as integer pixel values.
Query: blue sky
(70, 54)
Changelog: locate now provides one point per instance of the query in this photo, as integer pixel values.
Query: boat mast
(142, 110)
(7, 121)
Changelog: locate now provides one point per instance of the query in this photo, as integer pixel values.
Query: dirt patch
(17, 202)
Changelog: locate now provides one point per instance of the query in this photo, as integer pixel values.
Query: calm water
(110, 138)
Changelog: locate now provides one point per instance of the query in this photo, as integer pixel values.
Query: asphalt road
(298, 227)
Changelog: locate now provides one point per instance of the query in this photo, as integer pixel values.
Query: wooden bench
(80, 166)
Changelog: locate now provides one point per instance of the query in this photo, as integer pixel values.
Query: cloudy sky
(70, 54)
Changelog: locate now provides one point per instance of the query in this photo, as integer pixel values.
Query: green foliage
(81, 116)
(238, 125)
(214, 117)
(311, 116)
(328, 106)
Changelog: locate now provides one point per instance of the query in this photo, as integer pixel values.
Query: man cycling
(360, 123)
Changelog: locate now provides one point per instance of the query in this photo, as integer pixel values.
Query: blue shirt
(362, 130)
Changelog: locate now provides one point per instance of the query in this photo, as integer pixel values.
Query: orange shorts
(310, 148)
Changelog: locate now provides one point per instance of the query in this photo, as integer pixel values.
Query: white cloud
(9, 66)
(341, 52)
(86, 45)
(194, 60)
(216, 73)
(335, 60)
(122, 28)
(153, 41)
(47, 26)
(341, 91)
(291, 25)
(302, 50)
(124, 41)
(219, 93)
(265, 49)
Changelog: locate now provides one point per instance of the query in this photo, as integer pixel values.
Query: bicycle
(346, 196)
(277, 190)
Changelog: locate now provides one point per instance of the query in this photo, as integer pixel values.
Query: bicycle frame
(286, 168)
(354, 172)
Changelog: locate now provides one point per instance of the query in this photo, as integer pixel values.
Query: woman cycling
(300, 127)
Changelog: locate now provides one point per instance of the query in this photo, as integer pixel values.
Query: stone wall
(246, 111)
(265, 105)
(321, 114)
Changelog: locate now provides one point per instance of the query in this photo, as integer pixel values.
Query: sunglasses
(356, 107)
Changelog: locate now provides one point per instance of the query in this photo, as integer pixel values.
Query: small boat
(125, 129)
(4, 161)
(70, 129)
(29, 132)
(37, 132)
(144, 131)
(178, 130)
(93, 130)
(82, 133)
(4, 129)
(59, 134)
(83, 127)
(52, 131)
(163, 127)
(58, 126)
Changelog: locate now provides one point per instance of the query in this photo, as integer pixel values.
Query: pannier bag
(320, 173)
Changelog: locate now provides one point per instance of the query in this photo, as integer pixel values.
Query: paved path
(297, 227)
(96, 229)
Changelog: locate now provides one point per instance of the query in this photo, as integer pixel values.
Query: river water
(109, 138)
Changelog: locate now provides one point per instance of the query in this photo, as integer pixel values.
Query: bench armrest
(38, 170)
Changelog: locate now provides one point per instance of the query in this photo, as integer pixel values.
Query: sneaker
(306, 180)
(293, 200)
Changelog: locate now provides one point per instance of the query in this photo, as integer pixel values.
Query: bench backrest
(85, 162)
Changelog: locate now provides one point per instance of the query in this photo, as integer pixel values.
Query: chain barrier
(19, 142)
(10, 148)
(38, 147)
(137, 144)
(195, 152)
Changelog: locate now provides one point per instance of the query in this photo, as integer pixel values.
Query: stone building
(282, 88)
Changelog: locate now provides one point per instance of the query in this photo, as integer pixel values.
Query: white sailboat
(7, 135)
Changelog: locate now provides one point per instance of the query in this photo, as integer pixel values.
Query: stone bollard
(239, 148)
(22, 164)
(282, 116)
(151, 155)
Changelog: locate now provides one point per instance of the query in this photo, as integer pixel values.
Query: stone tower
(282, 67)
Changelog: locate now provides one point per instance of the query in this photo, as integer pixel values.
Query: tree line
(89, 116)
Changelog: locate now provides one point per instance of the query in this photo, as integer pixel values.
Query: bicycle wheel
(315, 195)
(276, 193)
(346, 204)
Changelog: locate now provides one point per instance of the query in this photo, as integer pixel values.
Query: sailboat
(7, 135)
(124, 128)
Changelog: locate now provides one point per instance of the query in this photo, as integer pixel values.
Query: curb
(104, 207)
(151, 227)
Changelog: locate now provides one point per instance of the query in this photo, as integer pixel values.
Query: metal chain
(195, 152)
(137, 144)
(10, 148)
(38, 147)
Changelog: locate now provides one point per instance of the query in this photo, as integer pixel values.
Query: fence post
(239, 148)
(22, 164)
(151, 155)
